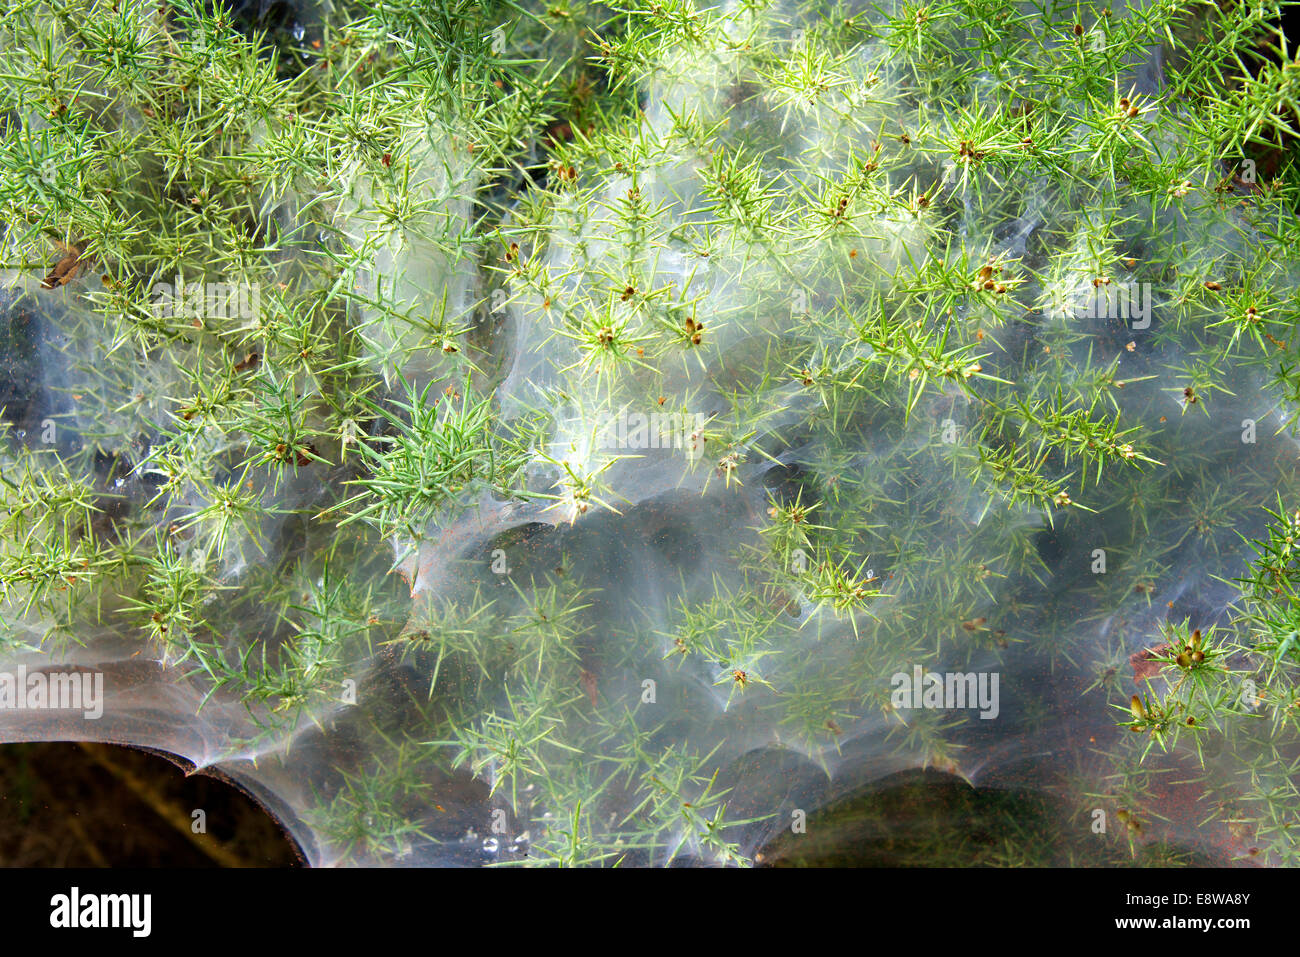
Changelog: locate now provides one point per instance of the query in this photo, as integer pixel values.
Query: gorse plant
(558, 433)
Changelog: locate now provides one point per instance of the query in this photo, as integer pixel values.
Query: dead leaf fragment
(1144, 664)
(589, 685)
(65, 269)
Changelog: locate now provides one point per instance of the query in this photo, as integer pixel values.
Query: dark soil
(73, 805)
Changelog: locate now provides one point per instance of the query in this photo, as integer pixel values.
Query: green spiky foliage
(634, 390)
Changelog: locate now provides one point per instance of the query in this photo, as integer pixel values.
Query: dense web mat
(878, 390)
